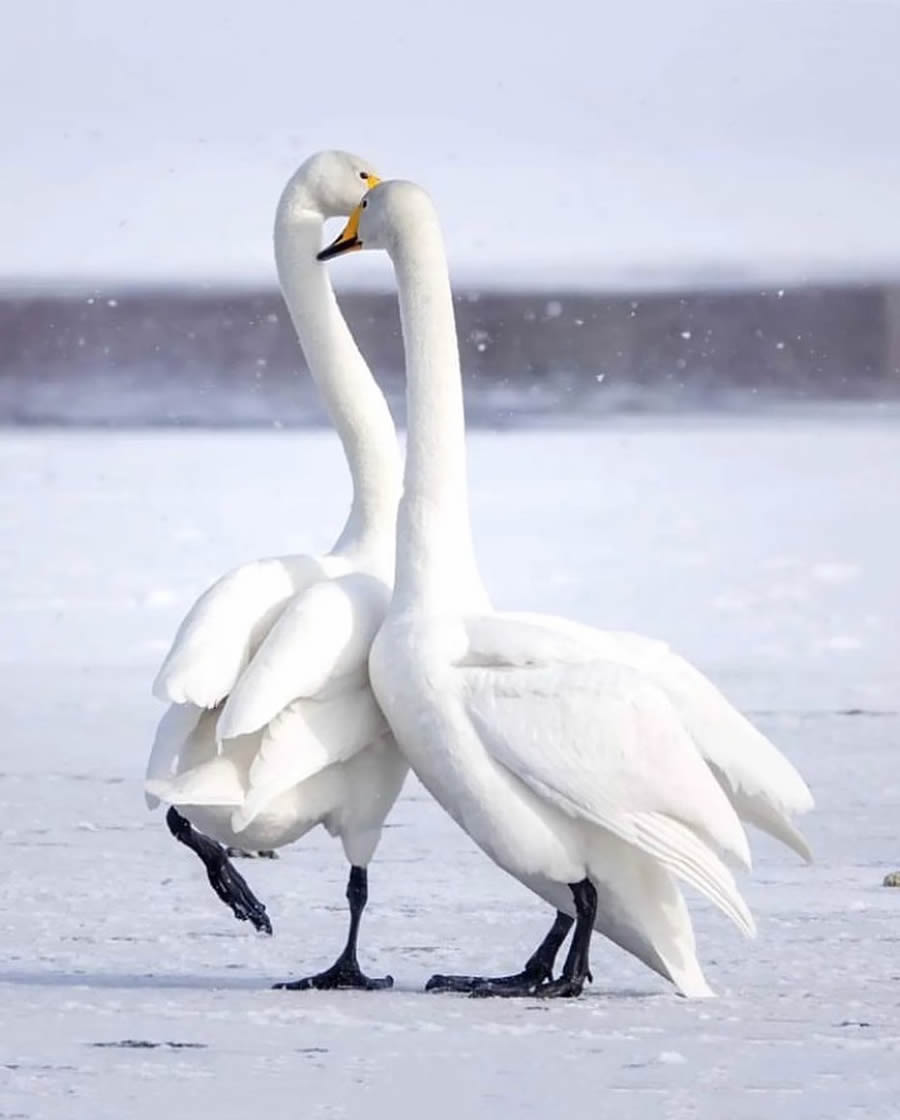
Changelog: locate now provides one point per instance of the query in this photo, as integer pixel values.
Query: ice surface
(766, 551)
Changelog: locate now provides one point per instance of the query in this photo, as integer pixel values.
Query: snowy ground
(766, 551)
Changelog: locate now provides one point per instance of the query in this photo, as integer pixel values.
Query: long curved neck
(435, 557)
(355, 404)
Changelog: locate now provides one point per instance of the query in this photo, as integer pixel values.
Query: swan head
(388, 210)
(329, 183)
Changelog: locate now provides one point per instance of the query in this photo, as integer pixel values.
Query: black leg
(576, 970)
(538, 969)
(228, 883)
(345, 972)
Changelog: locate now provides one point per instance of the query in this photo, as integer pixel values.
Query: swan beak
(346, 241)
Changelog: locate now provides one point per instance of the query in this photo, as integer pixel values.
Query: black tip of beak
(336, 248)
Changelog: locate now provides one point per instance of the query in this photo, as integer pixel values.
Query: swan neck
(435, 555)
(355, 403)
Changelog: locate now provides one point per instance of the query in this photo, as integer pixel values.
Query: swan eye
(365, 203)
(364, 175)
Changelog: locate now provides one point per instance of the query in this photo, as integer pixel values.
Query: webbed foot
(342, 974)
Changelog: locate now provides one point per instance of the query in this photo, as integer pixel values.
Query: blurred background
(647, 206)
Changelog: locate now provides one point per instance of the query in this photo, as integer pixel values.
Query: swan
(271, 661)
(597, 768)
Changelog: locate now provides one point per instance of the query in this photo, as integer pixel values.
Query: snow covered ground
(764, 549)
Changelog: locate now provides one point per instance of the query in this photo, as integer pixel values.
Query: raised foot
(224, 878)
(243, 853)
(231, 886)
(340, 975)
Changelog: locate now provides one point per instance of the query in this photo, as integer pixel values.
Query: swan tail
(217, 782)
(641, 909)
(688, 857)
(172, 732)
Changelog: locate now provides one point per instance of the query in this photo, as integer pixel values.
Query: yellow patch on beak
(348, 239)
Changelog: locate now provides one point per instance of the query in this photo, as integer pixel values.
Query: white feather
(303, 740)
(605, 746)
(320, 638)
(762, 785)
(221, 780)
(172, 732)
(222, 630)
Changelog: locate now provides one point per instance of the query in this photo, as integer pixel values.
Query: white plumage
(273, 727)
(765, 789)
(597, 768)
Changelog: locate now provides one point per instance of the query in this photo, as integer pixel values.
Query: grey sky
(579, 141)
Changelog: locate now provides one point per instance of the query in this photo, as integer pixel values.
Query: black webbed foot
(224, 878)
(563, 988)
(535, 980)
(504, 988)
(507, 987)
(345, 972)
(521, 983)
(538, 970)
(342, 974)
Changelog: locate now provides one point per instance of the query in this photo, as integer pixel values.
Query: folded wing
(764, 787)
(303, 703)
(605, 746)
(222, 630)
(320, 641)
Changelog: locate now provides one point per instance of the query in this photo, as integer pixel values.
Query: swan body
(588, 765)
(562, 767)
(272, 726)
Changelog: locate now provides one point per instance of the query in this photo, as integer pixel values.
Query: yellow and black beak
(347, 240)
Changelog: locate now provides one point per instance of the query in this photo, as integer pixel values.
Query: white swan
(584, 763)
(272, 659)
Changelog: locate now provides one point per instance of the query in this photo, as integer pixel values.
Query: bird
(272, 727)
(592, 775)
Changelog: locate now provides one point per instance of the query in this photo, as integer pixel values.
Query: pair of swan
(597, 768)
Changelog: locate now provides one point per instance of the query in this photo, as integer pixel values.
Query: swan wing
(610, 644)
(304, 739)
(172, 732)
(604, 745)
(219, 780)
(762, 785)
(321, 639)
(220, 632)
